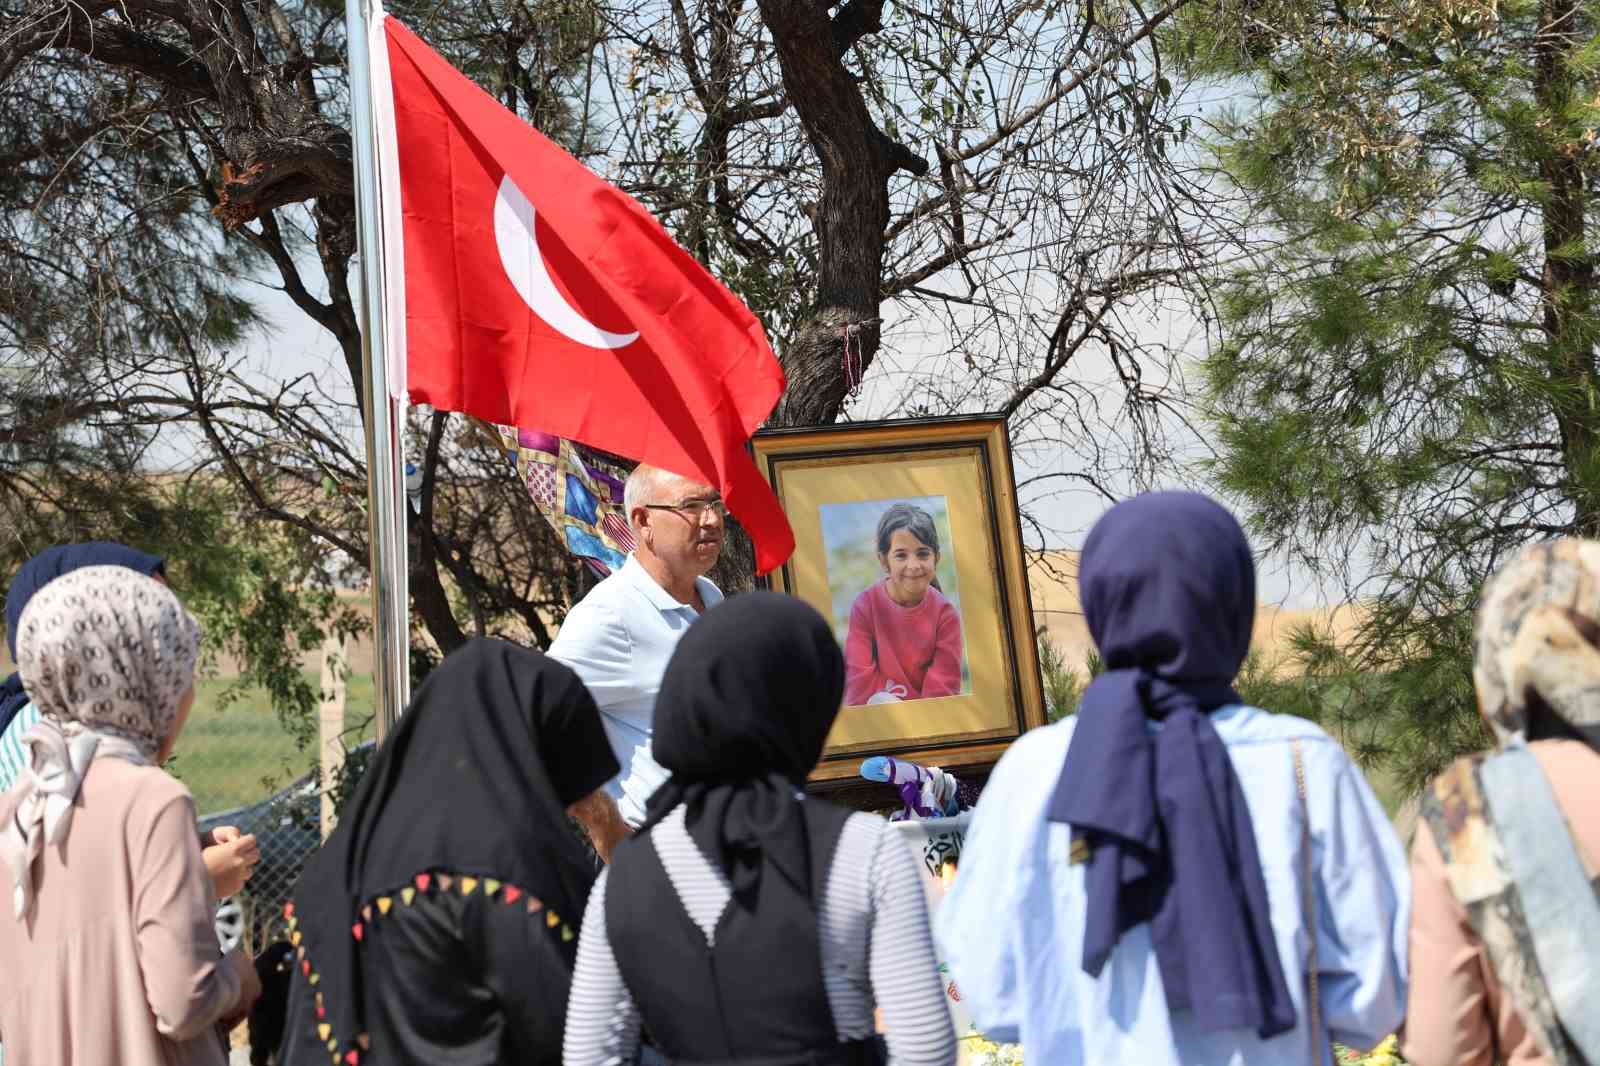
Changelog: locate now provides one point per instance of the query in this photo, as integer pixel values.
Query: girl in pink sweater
(905, 637)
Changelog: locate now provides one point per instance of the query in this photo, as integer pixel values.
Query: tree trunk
(853, 213)
(1567, 285)
(828, 353)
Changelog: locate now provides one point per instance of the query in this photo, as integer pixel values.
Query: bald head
(677, 524)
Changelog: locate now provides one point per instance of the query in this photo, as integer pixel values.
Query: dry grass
(1053, 585)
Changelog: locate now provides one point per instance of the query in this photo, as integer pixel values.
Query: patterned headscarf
(109, 654)
(1539, 632)
(44, 568)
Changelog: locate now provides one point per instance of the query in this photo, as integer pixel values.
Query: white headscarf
(108, 654)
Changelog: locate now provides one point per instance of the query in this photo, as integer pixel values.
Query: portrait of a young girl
(904, 640)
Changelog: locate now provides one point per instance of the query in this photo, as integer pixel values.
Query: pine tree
(1404, 389)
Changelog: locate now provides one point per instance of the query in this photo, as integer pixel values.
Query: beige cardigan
(1457, 1014)
(118, 963)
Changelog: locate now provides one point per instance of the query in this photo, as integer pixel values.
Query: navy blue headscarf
(1168, 589)
(38, 572)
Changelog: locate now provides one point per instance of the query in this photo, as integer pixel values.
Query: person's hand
(249, 987)
(598, 814)
(231, 859)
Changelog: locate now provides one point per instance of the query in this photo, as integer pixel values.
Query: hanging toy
(926, 792)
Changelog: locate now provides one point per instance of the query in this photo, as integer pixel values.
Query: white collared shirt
(618, 639)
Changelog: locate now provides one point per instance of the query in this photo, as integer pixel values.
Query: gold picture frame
(839, 485)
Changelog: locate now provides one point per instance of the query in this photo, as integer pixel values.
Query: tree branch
(1060, 354)
(855, 20)
(1063, 88)
(950, 256)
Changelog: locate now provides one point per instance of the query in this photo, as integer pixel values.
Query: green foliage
(254, 609)
(351, 771)
(1063, 688)
(1064, 685)
(1404, 388)
(261, 591)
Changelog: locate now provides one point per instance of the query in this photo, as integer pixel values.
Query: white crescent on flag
(519, 253)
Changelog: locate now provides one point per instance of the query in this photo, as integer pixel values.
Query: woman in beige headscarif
(106, 931)
(1505, 918)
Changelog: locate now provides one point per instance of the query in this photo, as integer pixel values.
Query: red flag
(539, 295)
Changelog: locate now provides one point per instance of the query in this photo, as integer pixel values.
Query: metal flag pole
(386, 502)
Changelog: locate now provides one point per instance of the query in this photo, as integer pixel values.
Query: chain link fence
(287, 829)
(249, 767)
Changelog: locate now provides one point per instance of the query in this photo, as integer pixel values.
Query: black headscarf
(38, 572)
(1168, 589)
(474, 779)
(743, 713)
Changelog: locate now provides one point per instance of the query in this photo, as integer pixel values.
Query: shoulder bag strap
(1309, 896)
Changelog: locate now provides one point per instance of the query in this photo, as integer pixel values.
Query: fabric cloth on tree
(618, 639)
(578, 490)
(908, 653)
(1506, 922)
(116, 959)
(745, 707)
(439, 921)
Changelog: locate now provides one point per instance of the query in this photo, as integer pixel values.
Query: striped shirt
(13, 752)
(13, 757)
(872, 923)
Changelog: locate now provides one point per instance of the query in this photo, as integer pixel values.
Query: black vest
(755, 998)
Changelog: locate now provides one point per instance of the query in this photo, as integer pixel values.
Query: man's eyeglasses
(694, 510)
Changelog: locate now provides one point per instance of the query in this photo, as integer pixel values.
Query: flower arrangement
(978, 1051)
(1385, 1054)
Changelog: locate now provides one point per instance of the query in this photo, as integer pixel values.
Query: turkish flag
(538, 295)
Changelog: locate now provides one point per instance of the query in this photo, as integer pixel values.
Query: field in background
(238, 754)
(1053, 588)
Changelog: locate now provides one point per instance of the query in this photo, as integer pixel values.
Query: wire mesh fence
(248, 767)
(287, 830)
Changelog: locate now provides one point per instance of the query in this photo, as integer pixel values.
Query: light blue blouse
(13, 758)
(13, 753)
(1012, 926)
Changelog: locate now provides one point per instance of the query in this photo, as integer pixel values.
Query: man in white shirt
(619, 637)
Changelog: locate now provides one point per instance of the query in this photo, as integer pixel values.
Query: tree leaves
(1404, 386)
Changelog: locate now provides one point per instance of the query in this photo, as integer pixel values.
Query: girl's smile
(910, 565)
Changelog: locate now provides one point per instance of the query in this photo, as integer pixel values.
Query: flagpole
(385, 425)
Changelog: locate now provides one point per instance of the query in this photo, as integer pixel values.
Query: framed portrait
(908, 542)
